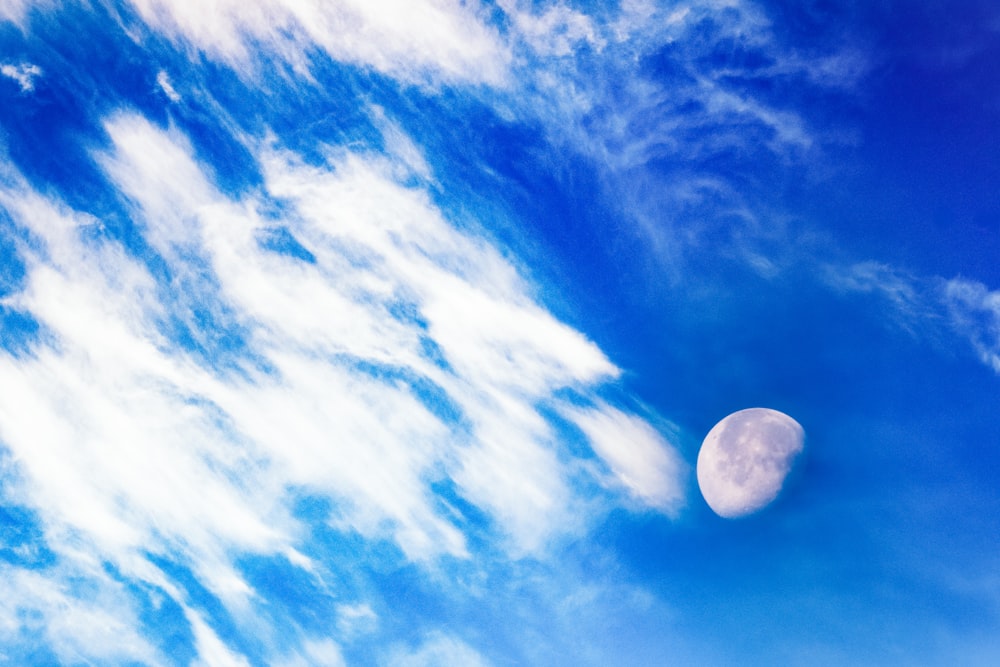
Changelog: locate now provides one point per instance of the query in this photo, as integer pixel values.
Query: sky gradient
(387, 333)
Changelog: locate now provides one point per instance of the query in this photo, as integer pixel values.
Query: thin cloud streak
(163, 81)
(975, 313)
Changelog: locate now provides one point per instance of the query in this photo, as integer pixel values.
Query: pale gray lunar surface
(745, 459)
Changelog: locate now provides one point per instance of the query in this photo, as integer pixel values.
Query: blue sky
(386, 333)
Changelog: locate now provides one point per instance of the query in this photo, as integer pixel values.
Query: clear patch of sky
(918, 185)
(22, 539)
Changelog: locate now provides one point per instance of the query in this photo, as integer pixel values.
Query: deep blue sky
(388, 334)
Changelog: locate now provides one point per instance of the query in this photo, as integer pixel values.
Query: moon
(745, 459)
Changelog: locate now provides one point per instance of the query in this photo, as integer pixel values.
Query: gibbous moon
(745, 458)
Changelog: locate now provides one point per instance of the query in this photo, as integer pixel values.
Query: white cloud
(613, 104)
(439, 649)
(212, 651)
(24, 73)
(417, 42)
(925, 305)
(503, 352)
(315, 653)
(903, 292)
(355, 619)
(640, 457)
(789, 129)
(98, 626)
(131, 443)
(15, 10)
(163, 81)
(557, 31)
(975, 313)
(400, 149)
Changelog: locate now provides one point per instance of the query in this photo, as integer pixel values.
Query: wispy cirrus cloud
(79, 614)
(439, 649)
(929, 307)
(903, 292)
(417, 42)
(330, 335)
(974, 311)
(314, 653)
(648, 81)
(659, 99)
(558, 30)
(14, 11)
